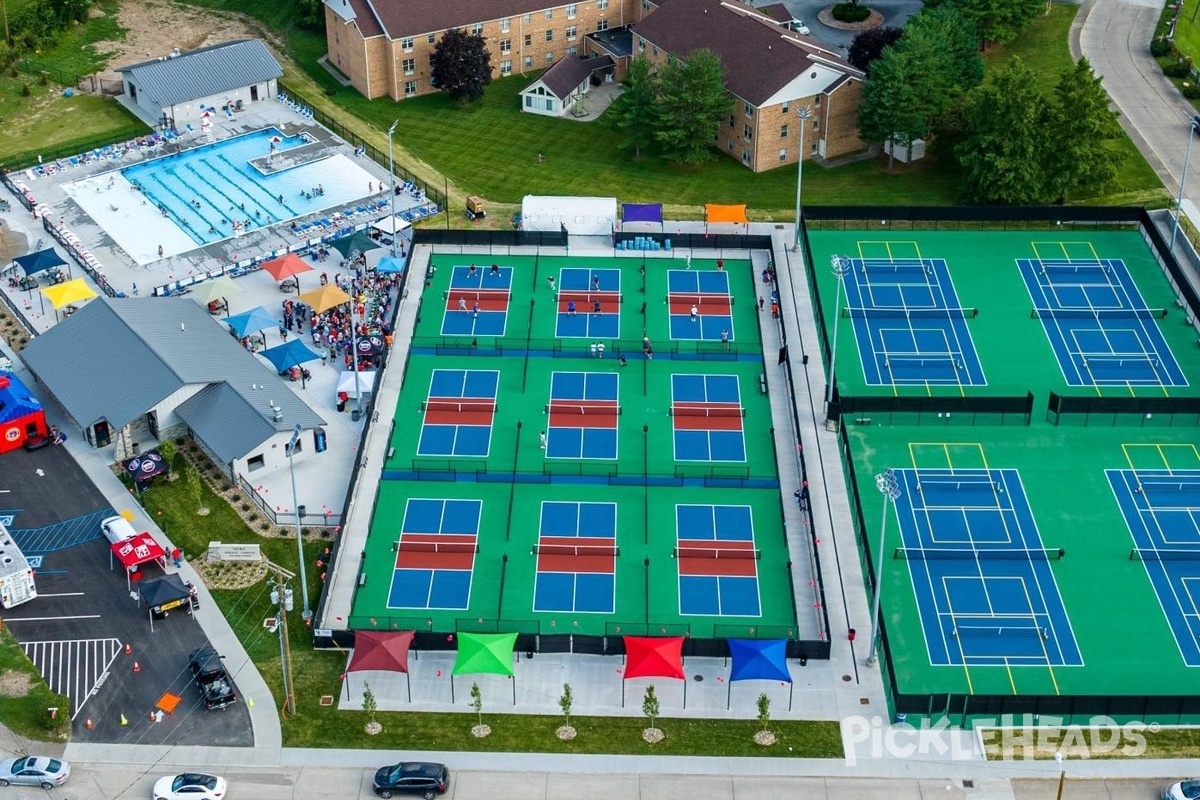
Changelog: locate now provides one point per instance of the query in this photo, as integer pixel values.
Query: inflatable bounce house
(21, 415)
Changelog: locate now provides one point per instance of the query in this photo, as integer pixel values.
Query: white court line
(49, 619)
(61, 594)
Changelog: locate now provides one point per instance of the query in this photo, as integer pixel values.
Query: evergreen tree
(634, 113)
(1082, 128)
(691, 104)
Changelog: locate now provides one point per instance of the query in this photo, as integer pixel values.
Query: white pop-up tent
(581, 216)
(391, 225)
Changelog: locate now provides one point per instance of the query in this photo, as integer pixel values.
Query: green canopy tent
(354, 243)
(485, 654)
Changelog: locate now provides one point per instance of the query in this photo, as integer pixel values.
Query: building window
(747, 132)
(817, 101)
(746, 156)
(601, 24)
(785, 107)
(254, 463)
(406, 44)
(477, 29)
(572, 51)
(731, 120)
(571, 9)
(410, 88)
(431, 38)
(816, 124)
(813, 149)
(601, 5)
(506, 45)
(642, 45)
(506, 25)
(654, 49)
(410, 66)
(549, 36)
(645, 5)
(549, 57)
(572, 33)
(783, 155)
(783, 131)
(528, 101)
(528, 39)
(729, 145)
(749, 110)
(528, 18)
(528, 62)
(506, 68)
(551, 104)
(549, 13)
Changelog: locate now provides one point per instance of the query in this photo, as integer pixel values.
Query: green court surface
(1134, 622)
(492, 464)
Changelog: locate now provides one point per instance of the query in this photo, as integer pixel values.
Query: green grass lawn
(27, 712)
(1187, 31)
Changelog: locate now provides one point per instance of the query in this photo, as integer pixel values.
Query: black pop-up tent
(165, 594)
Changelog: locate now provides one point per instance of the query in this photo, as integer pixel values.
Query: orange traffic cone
(89, 724)
(128, 650)
(137, 667)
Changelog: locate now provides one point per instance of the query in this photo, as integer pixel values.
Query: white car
(190, 786)
(117, 529)
(799, 27)
(1184, 790)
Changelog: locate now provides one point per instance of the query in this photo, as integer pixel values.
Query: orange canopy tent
(285, 267)
(714, 213)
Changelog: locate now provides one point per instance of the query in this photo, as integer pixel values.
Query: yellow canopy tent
(68, 293)
(324, 298)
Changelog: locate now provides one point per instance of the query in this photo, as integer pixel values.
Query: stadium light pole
(1062, 774)
(392, 182)
(291, 452)
(889, 487)
(1193, 129)
(840, 266)
(804, 114)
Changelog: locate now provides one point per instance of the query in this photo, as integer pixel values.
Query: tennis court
(580, 532)
(477, 300)
(1042, 562)
(700, 304)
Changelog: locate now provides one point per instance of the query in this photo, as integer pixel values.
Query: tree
(477, 702)
(461, 65)
(311, 14)
(764, 710)
(994, 21)
(195, 485)
(1003, 152)
(370, 706)
(692, 102)
(650, 705)
(891, 105)
(1081, 128)
(634, 113)
(945, 45)
(565, 702)
(869, 45)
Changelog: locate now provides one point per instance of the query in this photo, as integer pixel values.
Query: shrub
(848, 12)
(1179, 68)
(1161, 46)
(25, 90)
(1191, 91)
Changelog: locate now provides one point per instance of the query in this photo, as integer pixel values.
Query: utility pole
(281, 596)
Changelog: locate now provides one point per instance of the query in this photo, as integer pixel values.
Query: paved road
(1115, 35)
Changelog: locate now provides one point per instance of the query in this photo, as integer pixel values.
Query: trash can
(355, 415)
(301, 511)
(901, 719)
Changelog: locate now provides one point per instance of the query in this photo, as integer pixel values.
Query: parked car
(412, 777)
(34, 771)
(216, 687)
(799, 27)
(117, 529)
(1184, 790)
(190, 786)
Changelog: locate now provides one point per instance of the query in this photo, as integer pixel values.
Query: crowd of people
(372, 297)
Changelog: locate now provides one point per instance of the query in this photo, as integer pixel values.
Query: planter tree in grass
(565, 701)
(764, 736)
(650, 709)
(371, 707)
(195, 485)
(480, 730)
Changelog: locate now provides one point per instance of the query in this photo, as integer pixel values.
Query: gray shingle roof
(570, 71)
(207, 71)
(115, 359)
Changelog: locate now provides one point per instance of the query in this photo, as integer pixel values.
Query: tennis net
(1164, 554)
(922, 359)
(597, 407)
(410, 546)
(464, 406)
(716, 553)
(904, 312)
(1000, 629)
(897, 265)
(681, 410)
(1098, 313)
(1117, 360)
(588, 298)
(576, 550)
(1168, 485)
(699, 299)
(963, 484)
(973, 554)
(1071, 267)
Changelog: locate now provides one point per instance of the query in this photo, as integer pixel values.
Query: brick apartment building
(384, 47)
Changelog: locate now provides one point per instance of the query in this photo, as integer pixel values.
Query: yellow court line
(1036, 253)
(917, 246)
(1053, 679)
(1128, 456)
(1011, 680)
(1066, 252)
(859, 245)
(1092, 247)
(966, 672)
(888, 245)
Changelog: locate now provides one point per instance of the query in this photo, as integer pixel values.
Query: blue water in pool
(207, 189)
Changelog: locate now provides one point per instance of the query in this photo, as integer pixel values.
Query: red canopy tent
(285, 267)
(380, 651)
(654, 657)
(138, 550)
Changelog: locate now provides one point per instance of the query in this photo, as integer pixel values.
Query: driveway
(895, 14)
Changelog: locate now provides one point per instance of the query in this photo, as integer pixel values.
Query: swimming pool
(214, 191)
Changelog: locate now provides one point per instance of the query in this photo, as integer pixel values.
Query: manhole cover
(698, 678)
(846, 679)
(864, 701)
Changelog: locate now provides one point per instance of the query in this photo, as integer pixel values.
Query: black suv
(412, 777)
(216, 687)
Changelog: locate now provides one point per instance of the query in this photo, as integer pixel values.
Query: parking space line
(76, 668)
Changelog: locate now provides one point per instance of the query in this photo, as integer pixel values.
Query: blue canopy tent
(759, 660)
(256, 319)
(389, 265)
(40, 261)
(290, 354)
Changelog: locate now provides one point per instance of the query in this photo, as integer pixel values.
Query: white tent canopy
(391, 225)
(581, 216)
(366, 380)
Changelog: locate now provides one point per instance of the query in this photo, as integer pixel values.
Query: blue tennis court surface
(717, 562)
(477, 301)
(1098, 324)
(435, 554)
(458, 413)
(1162, 509)
(582, 415)
(579, 290)
(576, 564)
(908, 324)
(699, 304)
(706, 413)
(982, 577)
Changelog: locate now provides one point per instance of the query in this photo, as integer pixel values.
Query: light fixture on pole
(840, 266)
(395, 233)
(804, 114)
(1193, 129)
(1062, 774)
(291, 452)
(889, 486)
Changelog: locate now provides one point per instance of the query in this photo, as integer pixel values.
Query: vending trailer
(16, 576)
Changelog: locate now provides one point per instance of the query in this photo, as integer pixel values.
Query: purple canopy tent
(642, 212)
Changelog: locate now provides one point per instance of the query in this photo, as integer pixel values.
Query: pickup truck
(216, 687)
